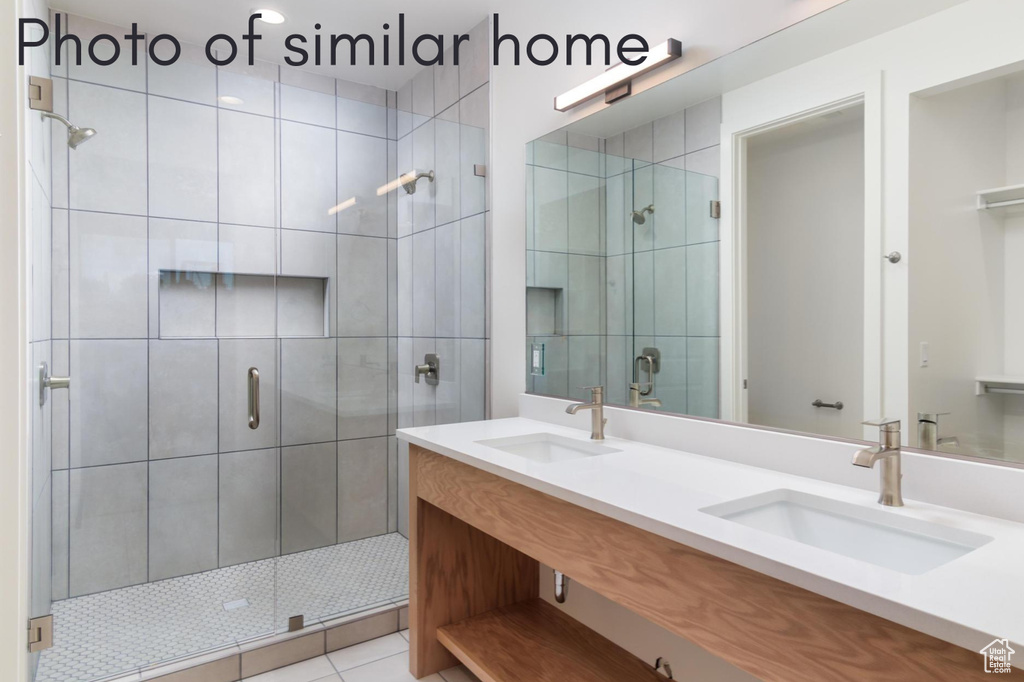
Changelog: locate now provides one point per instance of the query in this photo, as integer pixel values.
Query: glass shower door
(166, 446)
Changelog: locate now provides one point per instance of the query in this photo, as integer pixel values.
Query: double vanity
(786, 577)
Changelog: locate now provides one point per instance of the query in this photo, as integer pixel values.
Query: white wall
(957, 147)
(805, 275)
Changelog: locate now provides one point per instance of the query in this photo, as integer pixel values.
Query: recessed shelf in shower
(197, 304)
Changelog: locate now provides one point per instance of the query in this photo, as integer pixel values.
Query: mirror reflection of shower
(409, 180)
(76, 135)
(640, 217)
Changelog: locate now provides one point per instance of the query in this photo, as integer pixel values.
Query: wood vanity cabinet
(476, 541)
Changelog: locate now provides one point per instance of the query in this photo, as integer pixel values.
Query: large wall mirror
(796, 313)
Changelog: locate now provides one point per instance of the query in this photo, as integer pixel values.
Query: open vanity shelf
(1002, 199)
(476, 544)
(533, 640)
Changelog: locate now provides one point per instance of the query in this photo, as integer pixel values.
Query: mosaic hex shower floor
(118, 632)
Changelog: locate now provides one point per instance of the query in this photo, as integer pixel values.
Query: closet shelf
(1002, 199)
(999, 383)
(533, 640)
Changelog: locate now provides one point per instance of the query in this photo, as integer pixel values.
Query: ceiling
(194, 21)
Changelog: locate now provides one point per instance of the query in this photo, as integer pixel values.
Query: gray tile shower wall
(442, 126)
(227, 218)
(593, 277)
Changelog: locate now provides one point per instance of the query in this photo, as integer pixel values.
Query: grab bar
(254, 398)
(837, 405)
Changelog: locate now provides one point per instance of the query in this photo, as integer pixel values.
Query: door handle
(254, 398)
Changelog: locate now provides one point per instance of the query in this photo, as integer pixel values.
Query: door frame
(742, 121)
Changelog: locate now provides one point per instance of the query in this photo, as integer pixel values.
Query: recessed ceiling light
(270, 16)
(233, 101)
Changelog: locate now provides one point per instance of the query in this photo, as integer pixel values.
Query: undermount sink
(547, 448)
(876, 536)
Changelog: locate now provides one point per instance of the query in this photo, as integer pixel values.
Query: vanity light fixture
(615, 82)
(269, 16)
(231, 100)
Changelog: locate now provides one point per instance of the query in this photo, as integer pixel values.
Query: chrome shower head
(640, 217)
(409, 180)
(76, 135)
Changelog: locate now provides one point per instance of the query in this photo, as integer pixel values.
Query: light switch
(537, 359)
(924, 354)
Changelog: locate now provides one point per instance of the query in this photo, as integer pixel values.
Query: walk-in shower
(222, 466)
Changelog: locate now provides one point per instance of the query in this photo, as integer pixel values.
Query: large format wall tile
(362, 488)
(423, 282)
(121, 74)
(447, 280)
(362, 117)
(308, 170)
(182, 398)
(248, 503)
(308, 106)
(362, 170)
(447, 180)
(473, 284)
(108, 527)
(182, 516)
(308, 391)
(182, 256)
(236, 357)
(362, 301)
(307, 255)
(108, 276)
(182, 160)
(423, 201)
(109, 414)
(362, 388)
(670, 277)
(109, 174)
(192, 77)
(309, 493)
(246, 171)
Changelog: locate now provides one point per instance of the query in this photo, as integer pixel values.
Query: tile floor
(380, 660)
(109, 633)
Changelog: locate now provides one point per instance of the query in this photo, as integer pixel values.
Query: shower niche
(197, 304)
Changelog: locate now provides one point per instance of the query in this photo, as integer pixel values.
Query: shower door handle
(254, 398)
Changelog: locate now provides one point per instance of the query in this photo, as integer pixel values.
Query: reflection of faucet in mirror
(928, 432)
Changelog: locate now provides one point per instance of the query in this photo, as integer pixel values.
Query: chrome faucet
(636, 399)
(888, 452)
(596, 406)
(928, 432)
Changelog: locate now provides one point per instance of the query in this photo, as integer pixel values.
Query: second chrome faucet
(596, 405)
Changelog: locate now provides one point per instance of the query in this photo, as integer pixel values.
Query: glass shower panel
(673, 353)
(167, 444)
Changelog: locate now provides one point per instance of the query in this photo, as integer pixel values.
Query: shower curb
(237, 662)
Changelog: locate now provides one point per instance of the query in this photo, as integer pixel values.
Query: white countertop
(969, 601)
